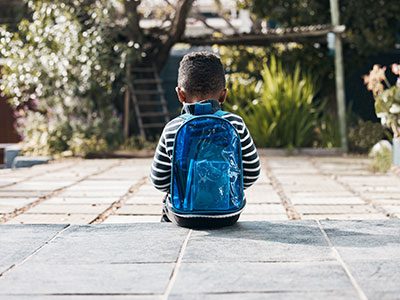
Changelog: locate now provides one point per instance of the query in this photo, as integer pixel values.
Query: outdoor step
(146, 80)
(148, 92)
(10, 153)
(154, 125)
(143, 69)
(149, 103)
(153, 114)
(29, 161)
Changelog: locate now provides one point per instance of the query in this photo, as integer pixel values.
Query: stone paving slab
(81, 200)
(116, 244)
(234, 277)
(336, 209)
(261, 208)
(142, 199)
(18, 202)
(87, 279)
(365, 240)
(279, 295)
(315, 200)
(135, 209)
(392, 208)
(18, 242)
(346, 216)
(259, 242)
(7, 194)
(123, 219)
(4, 209)
(262, 217)
(53, 219)
(380, 279)
(96, 193)
(80, 297)
(250, 260)
(46, 208)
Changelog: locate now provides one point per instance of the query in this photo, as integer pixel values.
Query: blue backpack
(207, 173)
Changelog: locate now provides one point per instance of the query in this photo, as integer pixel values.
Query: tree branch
(220, 8)
(133, 30)
(203, 20)
(296, 34)
(176, 32)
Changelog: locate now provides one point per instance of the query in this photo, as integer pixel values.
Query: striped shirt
(161, 167)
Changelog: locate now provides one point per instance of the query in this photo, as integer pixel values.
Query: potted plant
(387, 102)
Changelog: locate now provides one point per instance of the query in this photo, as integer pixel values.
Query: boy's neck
(190, 107)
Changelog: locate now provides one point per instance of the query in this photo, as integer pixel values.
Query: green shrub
(363, 135)
(381, 158)
(83, 146)
(138, 143)
(328, 134)
(280, 112)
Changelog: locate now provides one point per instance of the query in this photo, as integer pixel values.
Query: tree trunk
(175, 34)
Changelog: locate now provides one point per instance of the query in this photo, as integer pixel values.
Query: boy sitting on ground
(205, 157)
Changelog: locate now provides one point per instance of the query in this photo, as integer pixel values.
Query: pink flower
(396, 69)
(378, 72)
(374, 79)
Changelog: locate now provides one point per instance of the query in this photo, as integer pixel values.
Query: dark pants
(196, 222)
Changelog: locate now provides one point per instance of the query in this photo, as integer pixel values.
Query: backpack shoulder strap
(220, 113)
(186, 117)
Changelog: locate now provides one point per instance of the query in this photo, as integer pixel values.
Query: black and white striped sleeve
(250, 159)
(161, 168)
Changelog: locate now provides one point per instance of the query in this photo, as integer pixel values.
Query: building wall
(7, 131)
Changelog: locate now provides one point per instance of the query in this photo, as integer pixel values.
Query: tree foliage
(370, 25)
(371, 28)
(61, 74)
(65, 68)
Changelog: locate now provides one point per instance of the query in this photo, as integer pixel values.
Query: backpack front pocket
(208, 186)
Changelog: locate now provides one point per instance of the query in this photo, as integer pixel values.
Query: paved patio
(118, 191)
(252, 260)
(342, 240)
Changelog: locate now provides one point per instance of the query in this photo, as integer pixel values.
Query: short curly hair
(201, 74)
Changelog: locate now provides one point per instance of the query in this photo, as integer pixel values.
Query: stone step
(9, 153)
(29, 161)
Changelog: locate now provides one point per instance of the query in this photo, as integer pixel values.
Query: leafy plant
(327, 131)
(282, 113)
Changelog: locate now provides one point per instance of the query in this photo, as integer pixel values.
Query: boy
(201, 78)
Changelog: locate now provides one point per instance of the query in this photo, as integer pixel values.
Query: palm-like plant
(282, 113)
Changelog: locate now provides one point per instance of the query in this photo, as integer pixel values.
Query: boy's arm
(161, 168)
(250, 159)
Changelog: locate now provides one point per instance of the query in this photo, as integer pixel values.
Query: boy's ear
(181, 94)
(222, 96)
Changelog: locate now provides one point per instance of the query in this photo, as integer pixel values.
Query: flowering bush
(387, 97)
(62, 72)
